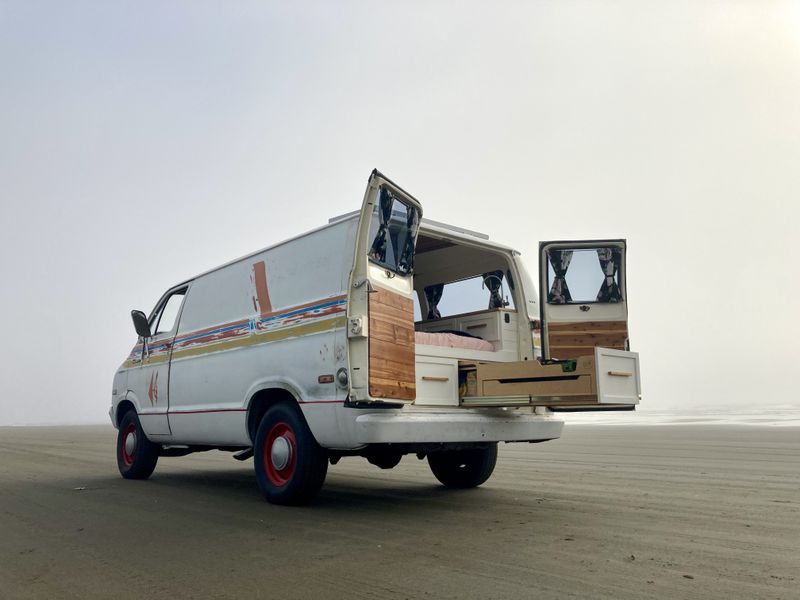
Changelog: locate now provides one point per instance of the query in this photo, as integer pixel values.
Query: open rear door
(380, 307)
(583, 297)
(586, 363)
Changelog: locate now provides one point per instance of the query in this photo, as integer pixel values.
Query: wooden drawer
(484, 326)
(606, 378)
(437, 381)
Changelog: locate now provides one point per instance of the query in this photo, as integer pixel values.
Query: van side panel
(275, 319)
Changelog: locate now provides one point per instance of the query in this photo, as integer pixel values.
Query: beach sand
(605, 512)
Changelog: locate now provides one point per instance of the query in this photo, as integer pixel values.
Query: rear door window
(393, 232)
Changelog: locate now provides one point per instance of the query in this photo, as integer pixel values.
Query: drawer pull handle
(479, 326)
(620, 374)
(432, 378)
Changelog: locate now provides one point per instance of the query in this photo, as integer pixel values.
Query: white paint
(208, 393)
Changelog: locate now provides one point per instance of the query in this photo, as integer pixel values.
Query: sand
(605, 512)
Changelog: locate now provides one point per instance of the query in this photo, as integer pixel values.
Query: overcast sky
(142, 143)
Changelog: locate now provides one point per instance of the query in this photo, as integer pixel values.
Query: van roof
(438, 228)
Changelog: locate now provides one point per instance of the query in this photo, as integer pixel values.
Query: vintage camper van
(379, 334)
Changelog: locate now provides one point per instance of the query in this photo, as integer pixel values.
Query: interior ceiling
(443, 261)
(427, 244)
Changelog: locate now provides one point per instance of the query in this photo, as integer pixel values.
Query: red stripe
(216, 410)
(262, 291)
(307, 305)
(242, 322)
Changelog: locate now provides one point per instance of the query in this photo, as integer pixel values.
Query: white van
(378, 335)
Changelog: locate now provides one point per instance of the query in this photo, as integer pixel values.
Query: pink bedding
(451, 340)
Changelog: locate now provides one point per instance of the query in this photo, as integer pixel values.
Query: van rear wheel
(290, 466)
(463, 468)
(136, 455)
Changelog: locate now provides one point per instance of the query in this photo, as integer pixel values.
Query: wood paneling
(571, 340)
(391, 346)
(545, 385)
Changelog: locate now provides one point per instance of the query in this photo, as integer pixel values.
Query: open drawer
(607, 379)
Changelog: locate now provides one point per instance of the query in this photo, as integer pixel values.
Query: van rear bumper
(442, 427)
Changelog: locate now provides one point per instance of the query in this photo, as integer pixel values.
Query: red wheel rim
(128, 431)
(280, 476)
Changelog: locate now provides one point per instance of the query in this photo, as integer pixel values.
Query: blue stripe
(249, 324)
(302, 310)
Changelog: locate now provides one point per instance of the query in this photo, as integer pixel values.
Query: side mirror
(140, 323)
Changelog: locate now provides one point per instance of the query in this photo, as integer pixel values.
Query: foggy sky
(143, 143)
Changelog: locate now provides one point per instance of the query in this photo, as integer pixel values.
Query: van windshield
(393, 232)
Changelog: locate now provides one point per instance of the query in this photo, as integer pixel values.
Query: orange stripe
(260, 274)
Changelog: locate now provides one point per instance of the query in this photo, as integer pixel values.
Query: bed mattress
(451, 340)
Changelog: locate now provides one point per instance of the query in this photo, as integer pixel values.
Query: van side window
(164, 320)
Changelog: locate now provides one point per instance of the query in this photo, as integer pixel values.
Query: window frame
(157, 312)
(395, 197)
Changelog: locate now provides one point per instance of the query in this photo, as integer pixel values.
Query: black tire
(304, 468)
(139, 461)
(463, 468)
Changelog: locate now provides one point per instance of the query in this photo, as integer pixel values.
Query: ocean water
(775, 416)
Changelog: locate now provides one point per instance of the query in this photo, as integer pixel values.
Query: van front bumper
(440, 427)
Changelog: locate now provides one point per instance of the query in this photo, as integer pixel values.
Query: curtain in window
(433, 293)
(559, 292)
(378, 250)
(610, 259)
(494, 281)
(406, 262)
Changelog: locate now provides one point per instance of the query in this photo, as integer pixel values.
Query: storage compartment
(437, 381)
(486, 326)
(606, 379)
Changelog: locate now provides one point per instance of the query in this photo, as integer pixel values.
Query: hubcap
(281, 453)
(130, 443)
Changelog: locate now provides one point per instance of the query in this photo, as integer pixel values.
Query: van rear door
(582, 297)
(380, 306)
(586, 363)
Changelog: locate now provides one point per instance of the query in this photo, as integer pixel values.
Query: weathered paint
(296, 321)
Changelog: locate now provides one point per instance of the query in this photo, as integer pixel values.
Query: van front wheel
(463, 468)
(136, 455)
(290, 466)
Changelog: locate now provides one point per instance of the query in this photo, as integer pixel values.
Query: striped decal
(305, 319)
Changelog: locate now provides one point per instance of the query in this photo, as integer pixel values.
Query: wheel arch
(123, 407)
(262, 399)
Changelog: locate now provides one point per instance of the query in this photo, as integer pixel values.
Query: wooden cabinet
(607, 378)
